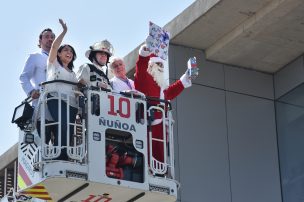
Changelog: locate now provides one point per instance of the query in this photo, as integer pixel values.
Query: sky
(123, 23)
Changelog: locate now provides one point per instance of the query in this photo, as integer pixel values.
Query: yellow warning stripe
(38, 191)
(21, 183)
(22, 175)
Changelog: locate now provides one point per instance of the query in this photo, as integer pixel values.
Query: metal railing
(75, 149)
(165, 139)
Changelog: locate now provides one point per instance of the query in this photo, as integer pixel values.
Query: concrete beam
(256, 43)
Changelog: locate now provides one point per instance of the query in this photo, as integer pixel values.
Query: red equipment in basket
(117, 159)
(112, 162)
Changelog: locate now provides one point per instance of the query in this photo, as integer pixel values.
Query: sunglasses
(159, 64)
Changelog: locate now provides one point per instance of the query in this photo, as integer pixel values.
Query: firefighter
(95, 74)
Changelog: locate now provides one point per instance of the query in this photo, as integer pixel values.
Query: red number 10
(121, 102)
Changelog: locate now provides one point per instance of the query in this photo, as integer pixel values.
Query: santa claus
(150, 80)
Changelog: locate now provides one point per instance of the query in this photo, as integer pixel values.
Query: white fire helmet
(102, 46)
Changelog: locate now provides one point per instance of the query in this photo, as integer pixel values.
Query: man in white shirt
(34, 70)
(34, 73)
(120, 81)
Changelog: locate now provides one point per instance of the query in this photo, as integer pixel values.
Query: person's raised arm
(57, 42)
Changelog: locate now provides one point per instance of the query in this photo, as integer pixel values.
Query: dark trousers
(53, 108)
(49, 130)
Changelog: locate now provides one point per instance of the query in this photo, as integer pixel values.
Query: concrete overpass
(263, 35)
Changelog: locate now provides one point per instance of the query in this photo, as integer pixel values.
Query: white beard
(157, 75)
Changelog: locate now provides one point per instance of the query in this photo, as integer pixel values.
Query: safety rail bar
(49, 150)
(60, 81)
(166, 102)
(158, 167)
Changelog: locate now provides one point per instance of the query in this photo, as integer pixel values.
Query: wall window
(290, 127)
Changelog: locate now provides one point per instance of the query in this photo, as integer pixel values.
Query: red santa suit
(145, 83)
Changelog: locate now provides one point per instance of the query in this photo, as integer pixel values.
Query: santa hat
(154, 59)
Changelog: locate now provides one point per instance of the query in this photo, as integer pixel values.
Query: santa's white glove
(186, 81)
(144, 51)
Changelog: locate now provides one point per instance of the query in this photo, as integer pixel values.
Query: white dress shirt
(34, 72)
(122, 85)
